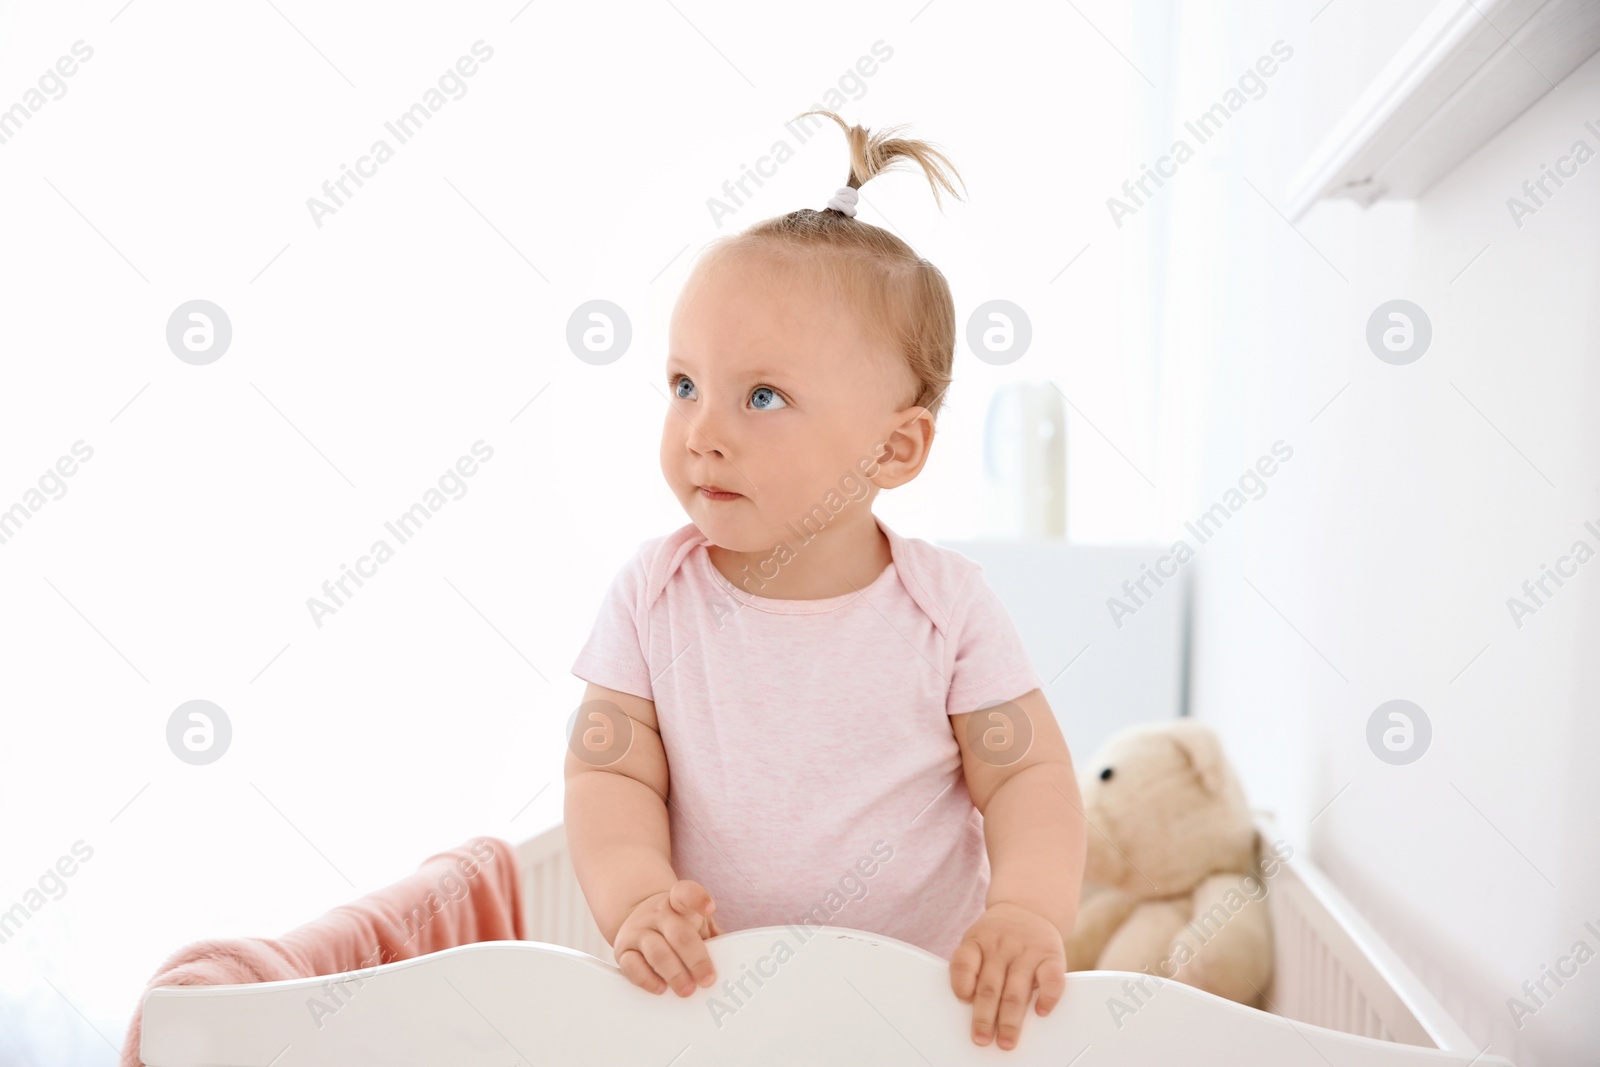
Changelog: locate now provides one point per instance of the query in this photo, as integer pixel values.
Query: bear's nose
(1105, 775)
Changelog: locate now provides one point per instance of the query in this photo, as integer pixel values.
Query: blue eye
(762, 398)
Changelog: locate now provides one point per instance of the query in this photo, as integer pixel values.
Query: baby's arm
(1033, 825)
(619, 841)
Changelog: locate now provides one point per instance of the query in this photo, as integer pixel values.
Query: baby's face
(775, 393)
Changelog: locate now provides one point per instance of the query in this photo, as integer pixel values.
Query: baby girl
(785, 696)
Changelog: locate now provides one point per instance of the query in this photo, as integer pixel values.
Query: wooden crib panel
(827, 995)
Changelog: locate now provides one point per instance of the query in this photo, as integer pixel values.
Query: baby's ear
(905, 452)
(1202, 749)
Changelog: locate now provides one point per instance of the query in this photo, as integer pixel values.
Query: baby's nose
(704, 436)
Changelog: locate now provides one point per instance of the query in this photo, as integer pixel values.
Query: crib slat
(1346, 971)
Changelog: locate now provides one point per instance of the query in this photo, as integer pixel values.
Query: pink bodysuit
(814, 775)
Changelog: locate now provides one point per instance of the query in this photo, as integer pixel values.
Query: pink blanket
(467, 894)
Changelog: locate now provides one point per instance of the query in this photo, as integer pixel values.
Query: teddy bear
(1176, 880)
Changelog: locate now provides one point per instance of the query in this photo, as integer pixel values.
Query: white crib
(1340, 998)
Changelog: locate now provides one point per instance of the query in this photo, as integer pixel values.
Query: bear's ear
(1200, 746)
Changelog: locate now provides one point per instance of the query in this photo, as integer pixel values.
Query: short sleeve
(613, 656)
(991, 664)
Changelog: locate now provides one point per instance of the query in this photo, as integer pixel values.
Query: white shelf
(1470, 68)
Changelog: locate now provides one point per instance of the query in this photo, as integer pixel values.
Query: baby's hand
(1005, 954)
(661, 942)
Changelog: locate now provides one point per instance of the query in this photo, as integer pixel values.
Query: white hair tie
(844, 201)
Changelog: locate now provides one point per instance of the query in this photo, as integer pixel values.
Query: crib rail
(1332, 969)
(789, 996)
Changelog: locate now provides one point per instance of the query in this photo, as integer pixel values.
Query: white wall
(1380, 562)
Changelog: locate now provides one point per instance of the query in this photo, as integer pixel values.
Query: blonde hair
(899, 295)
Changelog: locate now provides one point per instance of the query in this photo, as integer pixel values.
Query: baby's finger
(1014, 1001)
(1052, 978)
(986, 998)
(690, 898)
(665, 962)
(633, 966)
(686, 941)
(964, 964)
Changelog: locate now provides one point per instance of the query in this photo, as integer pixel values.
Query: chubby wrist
(626, 895)
(1063, 919)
